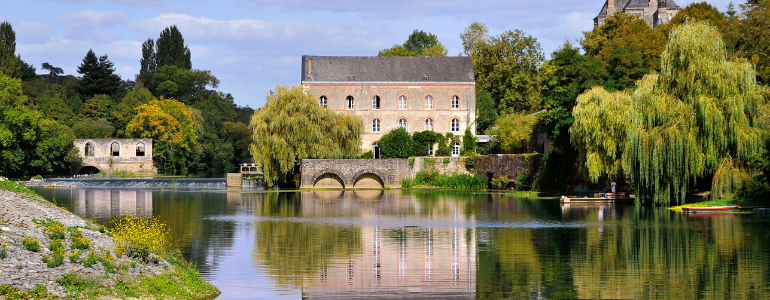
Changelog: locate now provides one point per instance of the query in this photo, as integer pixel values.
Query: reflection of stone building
(401, 257)
(417, 93)
(110, 203)
(655, 13)
(110, 155)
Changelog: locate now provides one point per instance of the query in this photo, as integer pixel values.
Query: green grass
(719, 202)
(433, 179)
(523, 194)
(14, 186)
(124, 174)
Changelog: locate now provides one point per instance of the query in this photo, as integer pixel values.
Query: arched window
(456, 150)
(402, 124)
(429, 102)
(376, 126)
(455, 125)
(349, 103)
(376, 102)
(455, 102)
(402, 102)
(115, 149)
(89, 149)
(429, 124)
(140, 149)
(323, 101)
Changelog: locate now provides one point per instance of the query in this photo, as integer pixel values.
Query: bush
(522, 182)
(56, 231)
(57, 257)
(74, 256)
(431, 177)
(367, 155)
(31, 244)
(469, 143)
(79, 242)
(137, 237)
(515, 133)
(90, 259)
(397, 144)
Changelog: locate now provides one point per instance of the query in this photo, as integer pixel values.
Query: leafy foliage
(515, 133)
(700, 112)
(469, 143)
(10, 63)
(476, 33)
(419, 43)
(292, 126)
(98, 76)
(397, 143)
(137, 237)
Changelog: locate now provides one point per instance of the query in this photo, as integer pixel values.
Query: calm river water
(444, 244)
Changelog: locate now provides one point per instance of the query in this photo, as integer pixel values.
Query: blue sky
(254, 45)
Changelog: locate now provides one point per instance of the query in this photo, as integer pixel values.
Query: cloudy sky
(253, 45)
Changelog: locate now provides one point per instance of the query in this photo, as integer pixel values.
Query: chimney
(610, 7)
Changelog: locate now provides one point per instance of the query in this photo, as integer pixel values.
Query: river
(443, 244)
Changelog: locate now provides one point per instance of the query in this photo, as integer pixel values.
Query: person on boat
(613, 184)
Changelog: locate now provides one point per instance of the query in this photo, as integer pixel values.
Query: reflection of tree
(294, 252)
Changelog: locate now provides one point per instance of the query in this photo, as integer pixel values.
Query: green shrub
(469, 143)
(431, 177)
(3, 251)
(37, 177)
(398, 144)
(523, 183)
(367, 155)
(406, 183)
(411, 162)
(57, 256)
(447, 160)
(515, 133)
(74, 256)
(31, 244)
(79, 242)
(56, 231)
(90, 259)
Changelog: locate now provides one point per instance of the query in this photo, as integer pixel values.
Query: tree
(170, 49)
(98, 76)
(28, 71)
(10, 63)
(93, 129)
(626, 30)
(699, 116)
(53, 72)
(698, 11)
(469, 143)
(171, 126)
(515, 133)
(750, 39)
(419, 43)
(475, 34)
(507, 68)
(486, 111)
(397, 143)
(148, 63)
(292, 126)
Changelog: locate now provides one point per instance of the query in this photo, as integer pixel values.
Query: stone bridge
(111, 155)
(354, 173)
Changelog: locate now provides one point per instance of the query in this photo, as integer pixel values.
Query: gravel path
(25, 269)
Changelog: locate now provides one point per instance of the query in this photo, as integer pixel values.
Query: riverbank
(48, 252)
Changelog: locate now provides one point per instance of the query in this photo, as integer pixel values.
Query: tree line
(194, 127)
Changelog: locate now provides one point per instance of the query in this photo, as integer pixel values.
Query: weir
(167, 183)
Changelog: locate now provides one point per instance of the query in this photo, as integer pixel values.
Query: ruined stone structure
(418, 93)
(353, 173)
(655, 13)
(111, 155)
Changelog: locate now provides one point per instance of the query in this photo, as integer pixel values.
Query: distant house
(417, 93)
(655, 13)
(115, 155)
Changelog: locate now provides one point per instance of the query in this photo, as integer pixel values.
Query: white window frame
(455, 102)
(323, 101)
(454, 125)
(429, 124)
(402, 102)
(376, 126)
(403, 123)
(376, 102)
(350, 103)
(428, 102)
(456, 150)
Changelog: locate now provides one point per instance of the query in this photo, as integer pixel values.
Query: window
(349, 103)
(402, 123)
(376, 126)
(402, 102)
(455, 102)
(456, 150)
(376, 102)
(115, 149)
(89, 149)
(455, 125)
(429, 102)
(323, 101)
(429, 124)
(430, 149)
(376, 150)
(140, 149)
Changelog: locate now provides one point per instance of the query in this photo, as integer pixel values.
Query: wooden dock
(612, 198)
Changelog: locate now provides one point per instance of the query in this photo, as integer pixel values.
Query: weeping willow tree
(293, 126)
(701, 115)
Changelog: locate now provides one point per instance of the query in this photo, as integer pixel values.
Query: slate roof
(635, 4)
(386, 69)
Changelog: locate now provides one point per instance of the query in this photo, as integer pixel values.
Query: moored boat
(711, 209)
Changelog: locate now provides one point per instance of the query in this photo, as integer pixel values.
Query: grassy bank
(433, 179)
(719, 202)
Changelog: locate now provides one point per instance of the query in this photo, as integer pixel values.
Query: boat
(711, 209)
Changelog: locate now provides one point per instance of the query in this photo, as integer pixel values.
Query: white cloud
(92, 25)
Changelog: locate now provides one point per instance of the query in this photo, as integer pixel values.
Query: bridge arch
(88, 170)
(367, 180)
(328, 180)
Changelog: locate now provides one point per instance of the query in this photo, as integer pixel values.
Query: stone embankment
(25, 269)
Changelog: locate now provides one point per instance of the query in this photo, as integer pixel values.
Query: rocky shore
(21, 215)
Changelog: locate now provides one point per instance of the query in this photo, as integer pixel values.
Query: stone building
(111, 155)
(653, 12)
(418, 93)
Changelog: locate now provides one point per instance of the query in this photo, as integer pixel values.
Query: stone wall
(444, 165)
(508, 165)
(127, 159)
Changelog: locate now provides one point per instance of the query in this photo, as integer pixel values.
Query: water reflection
(446, 244)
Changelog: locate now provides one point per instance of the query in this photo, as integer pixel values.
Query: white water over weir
(167, 183)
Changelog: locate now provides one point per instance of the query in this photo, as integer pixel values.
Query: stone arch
(88, 170)
(368, 180)
(328, 180)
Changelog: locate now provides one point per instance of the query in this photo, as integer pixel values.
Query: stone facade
(100, 154)
(655, 13)
(421, 83)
